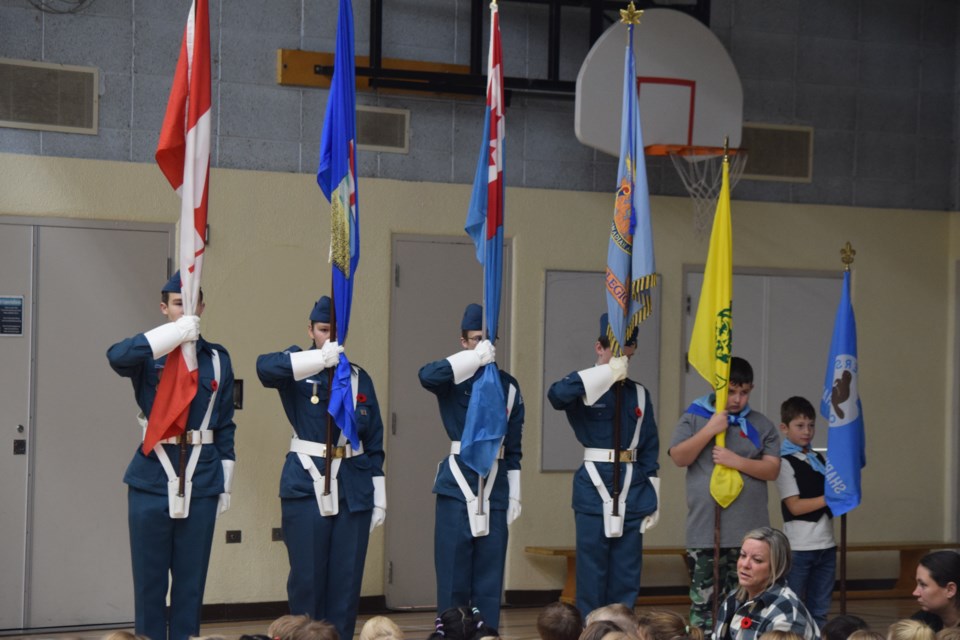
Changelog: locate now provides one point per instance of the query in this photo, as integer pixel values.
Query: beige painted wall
(272, 227)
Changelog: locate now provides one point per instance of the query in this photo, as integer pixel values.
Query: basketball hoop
(701, 169)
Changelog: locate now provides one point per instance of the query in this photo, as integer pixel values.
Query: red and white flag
(183, 153)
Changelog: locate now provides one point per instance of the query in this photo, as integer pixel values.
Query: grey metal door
(16, 259)
(95, 283)
(435, 278)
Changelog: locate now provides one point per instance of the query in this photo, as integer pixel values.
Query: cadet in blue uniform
(326, 536)
(469, 552)
(166, 536)
(609, 549)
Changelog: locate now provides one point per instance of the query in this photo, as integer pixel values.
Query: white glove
(597, 380)
(379, 502)
(651, 520)
(331, 354)
(223, 502)
(618, 367)
(486, 351)
(464, 364)
(513, 508)
(171, 335)
(307, 363)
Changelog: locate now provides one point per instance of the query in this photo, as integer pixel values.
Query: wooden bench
(910, 554)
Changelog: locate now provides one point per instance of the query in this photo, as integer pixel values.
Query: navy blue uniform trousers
(466, 565)
(608, 569)
(159, 544)
(326, 561)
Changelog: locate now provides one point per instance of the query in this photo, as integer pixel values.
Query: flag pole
(329, 447)
(846, 257)
(716, 506)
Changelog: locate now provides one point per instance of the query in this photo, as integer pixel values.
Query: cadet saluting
(326, 535)
(610, 547)
(469, 552)
(171, 538)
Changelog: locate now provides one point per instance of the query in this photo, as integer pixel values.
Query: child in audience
(560, 621)
(660, 624)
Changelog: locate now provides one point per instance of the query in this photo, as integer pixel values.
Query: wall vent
(48, 97)
(782, 153)
(383, 129)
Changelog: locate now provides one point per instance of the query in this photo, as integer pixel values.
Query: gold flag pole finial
(630, 15)
(847, 252)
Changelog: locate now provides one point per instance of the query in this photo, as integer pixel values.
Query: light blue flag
(336, 176)
(840, 405)
(486, 419)
(631, 271)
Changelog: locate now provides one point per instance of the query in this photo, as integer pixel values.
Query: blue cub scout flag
(840, 405)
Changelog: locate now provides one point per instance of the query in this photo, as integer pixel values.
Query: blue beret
(321, 310)
(472, 318)
(173, 284)
(605, 322)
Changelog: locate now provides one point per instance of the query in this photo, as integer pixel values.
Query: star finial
(630, 15)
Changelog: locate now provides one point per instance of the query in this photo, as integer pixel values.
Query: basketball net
(701, 169)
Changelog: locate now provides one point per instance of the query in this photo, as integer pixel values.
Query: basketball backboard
(689, 91)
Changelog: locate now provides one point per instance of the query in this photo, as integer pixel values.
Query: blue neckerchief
(787, 448)
(703, 407)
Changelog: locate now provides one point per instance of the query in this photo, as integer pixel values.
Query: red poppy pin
(214, 385)
(361, 398)
(746, 623)
(638, 412)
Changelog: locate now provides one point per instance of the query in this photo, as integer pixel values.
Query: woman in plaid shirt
(763, 602)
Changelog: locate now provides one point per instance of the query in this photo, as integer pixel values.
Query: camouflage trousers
(700, 566)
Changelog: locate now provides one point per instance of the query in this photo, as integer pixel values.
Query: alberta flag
(337, 179)
(183, 154)
(486, 421)
(840, 405)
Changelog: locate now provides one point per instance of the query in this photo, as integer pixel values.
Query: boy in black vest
(807, 520)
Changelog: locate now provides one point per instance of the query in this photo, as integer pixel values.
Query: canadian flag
(183, 154)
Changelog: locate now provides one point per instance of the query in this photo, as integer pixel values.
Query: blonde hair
(617, 613)
(123, 635)
(284, 627)
(777, 634)
(380, 628)
(316, 630)
(660, 624)
(910, 630)
(949, 633)
(779, 548)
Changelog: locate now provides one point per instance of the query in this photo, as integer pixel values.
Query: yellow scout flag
(712, 339)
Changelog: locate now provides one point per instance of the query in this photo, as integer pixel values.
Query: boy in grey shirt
(753, 449)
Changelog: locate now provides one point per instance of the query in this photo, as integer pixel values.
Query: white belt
(613, 525)
(192, 437)
(455, 449)
(179, 505)
(306, 450)
(319, 449)
(606, 455)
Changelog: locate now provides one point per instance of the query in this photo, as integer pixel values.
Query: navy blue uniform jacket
(309, 421)
(437, 378)
(593, 427)
(133, 358)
